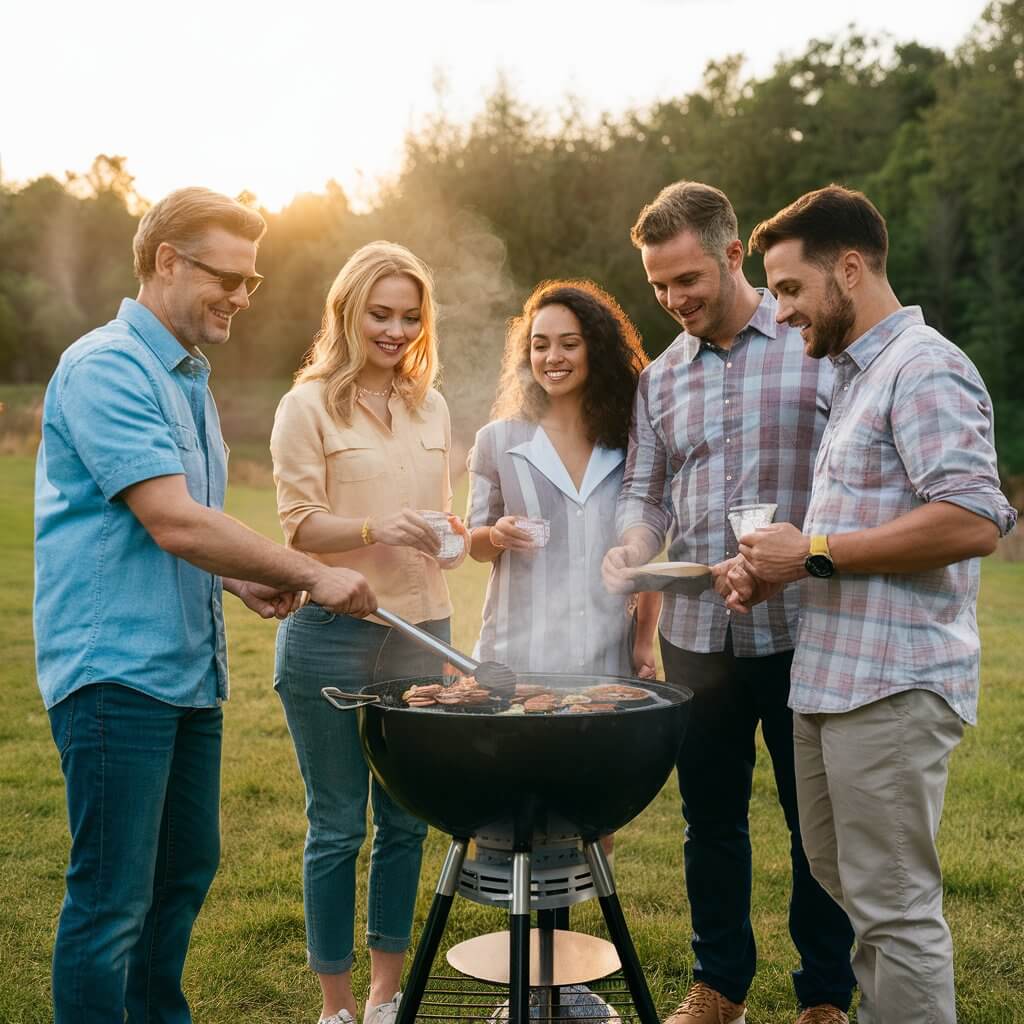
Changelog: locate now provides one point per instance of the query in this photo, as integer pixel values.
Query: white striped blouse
(546, 610)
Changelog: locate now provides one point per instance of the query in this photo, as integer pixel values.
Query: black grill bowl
(470, 772)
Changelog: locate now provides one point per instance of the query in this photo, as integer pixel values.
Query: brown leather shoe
(824, 1013)
(703, 1005)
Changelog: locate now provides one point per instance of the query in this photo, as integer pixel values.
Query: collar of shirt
(160, 341)
(541, 454)
(763, 321)
(873, 342)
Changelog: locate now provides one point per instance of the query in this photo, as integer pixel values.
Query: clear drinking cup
(452, 542)
(745, 519)
(538, 529)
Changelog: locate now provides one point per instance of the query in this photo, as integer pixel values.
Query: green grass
(247, 958)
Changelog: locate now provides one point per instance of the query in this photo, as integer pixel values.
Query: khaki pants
(870, 786)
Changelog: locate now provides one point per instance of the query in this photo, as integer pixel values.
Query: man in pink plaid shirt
(904, 503)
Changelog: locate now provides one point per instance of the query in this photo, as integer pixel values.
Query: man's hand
(343, 591)
(776, 553)
(746, 590)
(266, 601)
(720, 575)
(616, 565)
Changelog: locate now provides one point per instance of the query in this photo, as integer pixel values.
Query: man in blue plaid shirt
(905, 501)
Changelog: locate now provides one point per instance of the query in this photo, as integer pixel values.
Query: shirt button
(728, 611)
(579, 512)
(846, 387)
(728, 440)
(728, 366)
(728, 478)
(727, 401)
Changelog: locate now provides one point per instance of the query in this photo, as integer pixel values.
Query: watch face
(820, 566)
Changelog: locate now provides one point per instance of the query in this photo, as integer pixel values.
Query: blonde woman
(360, 443)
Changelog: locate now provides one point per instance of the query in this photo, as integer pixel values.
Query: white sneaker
(386, 1013)
(341, 1017)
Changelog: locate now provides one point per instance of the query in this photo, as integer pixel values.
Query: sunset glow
(278, 100)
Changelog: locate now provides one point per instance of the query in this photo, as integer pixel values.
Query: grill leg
(519, 941)
(550, 996)
(604, 885)
(426, 948)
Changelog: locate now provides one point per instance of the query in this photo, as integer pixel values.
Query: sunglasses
(229, 279)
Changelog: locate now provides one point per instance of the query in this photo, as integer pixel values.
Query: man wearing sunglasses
(133, 553)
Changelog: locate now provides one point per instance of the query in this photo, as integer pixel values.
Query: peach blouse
(365, 469)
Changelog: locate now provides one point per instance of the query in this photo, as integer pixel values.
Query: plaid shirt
(713, 428)
(911, 423)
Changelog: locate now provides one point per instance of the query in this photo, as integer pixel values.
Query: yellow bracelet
(367, 532)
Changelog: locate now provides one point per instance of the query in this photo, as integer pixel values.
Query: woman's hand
(505, 534)
(460, 528)
(643, 658)
(405, 529)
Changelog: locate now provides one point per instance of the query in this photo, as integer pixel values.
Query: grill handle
(429, 641)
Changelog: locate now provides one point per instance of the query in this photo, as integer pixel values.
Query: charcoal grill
(519, 783)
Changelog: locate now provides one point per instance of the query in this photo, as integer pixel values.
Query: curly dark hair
(614, 360)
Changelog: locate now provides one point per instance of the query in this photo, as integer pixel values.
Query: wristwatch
(819, 562)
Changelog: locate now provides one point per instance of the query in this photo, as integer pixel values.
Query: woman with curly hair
(555, 450)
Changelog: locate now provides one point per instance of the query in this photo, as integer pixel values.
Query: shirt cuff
(136, 472)
(984, 504)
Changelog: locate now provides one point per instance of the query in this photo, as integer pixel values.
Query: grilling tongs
(491, 675)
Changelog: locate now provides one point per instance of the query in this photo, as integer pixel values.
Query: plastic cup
(538, 529)
(452, 543)
(745, 519)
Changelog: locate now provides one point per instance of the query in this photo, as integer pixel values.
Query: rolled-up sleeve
(110, 414)
(645, 499)
(486, 504)
(300, 469)
(943, 430)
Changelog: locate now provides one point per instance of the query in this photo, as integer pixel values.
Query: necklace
(376, 394)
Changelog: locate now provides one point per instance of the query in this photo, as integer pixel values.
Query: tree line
(517, 195)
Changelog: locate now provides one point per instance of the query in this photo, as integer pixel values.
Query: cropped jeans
(143, 794)
(316, 648)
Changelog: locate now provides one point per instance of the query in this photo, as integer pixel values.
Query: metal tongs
(491, 675)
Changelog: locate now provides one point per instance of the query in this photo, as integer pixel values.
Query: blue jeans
(716, 766)
(316, 648)
(143, 794)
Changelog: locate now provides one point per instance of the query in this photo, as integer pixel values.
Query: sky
(278, 98)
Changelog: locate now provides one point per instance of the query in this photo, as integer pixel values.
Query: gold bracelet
(367, 531)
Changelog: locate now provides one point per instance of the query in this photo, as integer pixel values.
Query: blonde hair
(182, 219)
(338, 352)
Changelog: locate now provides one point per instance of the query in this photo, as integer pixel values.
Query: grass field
(247, 959)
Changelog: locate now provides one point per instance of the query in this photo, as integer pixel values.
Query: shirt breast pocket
(434, 441)
(864, 466)
(191, 455)
(351, 458)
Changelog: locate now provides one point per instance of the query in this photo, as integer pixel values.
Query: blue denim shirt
(127, 403)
